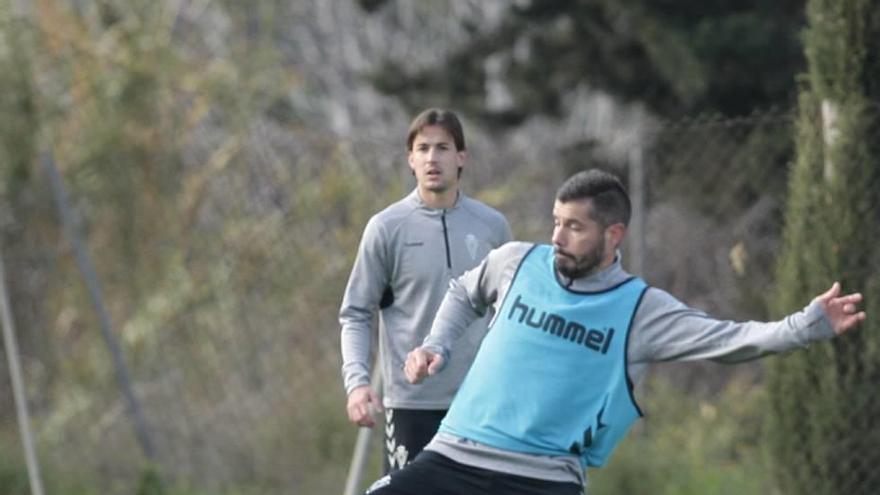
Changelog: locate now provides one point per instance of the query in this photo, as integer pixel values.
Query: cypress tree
(824, 419)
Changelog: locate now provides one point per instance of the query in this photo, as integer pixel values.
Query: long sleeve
(474, 294)
(456, 312)
(366, 285)
(665, 329)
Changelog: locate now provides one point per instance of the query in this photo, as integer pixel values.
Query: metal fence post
(362, 444)
(21, 409)
(637, 191)
(91, 279)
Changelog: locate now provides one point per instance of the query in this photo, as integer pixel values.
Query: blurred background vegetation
(222, 158)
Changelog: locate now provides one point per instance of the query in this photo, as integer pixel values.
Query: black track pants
(407, 431)
(433, 474)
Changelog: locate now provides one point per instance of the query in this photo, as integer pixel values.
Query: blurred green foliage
(224, 222)
(824, 409)
(686, 445)
(215, 261)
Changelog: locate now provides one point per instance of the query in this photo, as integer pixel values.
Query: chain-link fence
(222, 280)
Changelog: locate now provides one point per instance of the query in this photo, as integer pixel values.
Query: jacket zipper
(446, 240)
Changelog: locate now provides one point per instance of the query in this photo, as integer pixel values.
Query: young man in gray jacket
(551, 390)
(408, 254)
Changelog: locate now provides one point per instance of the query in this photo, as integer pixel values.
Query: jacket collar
(415, 198)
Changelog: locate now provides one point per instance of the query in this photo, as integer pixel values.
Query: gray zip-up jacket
(663, 329)
(407, 256)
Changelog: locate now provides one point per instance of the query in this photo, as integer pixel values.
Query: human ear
(409, 161)
(614, 234)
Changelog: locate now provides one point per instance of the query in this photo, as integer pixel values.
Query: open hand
(842, 311)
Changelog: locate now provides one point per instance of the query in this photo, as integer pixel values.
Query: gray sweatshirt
(407, 257)
(663, 329)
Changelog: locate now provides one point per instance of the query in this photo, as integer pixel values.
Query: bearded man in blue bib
(550, 391)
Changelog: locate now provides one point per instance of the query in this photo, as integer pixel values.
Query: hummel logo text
(597, 340)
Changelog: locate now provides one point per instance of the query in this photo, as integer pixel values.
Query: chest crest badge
(471, 243)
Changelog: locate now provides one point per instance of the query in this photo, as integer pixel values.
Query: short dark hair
(610, 201)
(439, 117)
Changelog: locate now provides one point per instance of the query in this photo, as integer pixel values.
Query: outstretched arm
(665, 329)
(841, 310)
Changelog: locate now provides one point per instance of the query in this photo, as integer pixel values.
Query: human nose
(557, 238)
(431, 156)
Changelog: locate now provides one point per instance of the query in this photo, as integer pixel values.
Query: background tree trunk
(823, 424)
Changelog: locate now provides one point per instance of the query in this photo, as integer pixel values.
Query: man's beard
(583, 265)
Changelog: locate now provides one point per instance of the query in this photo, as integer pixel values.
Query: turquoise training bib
(550, 376)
